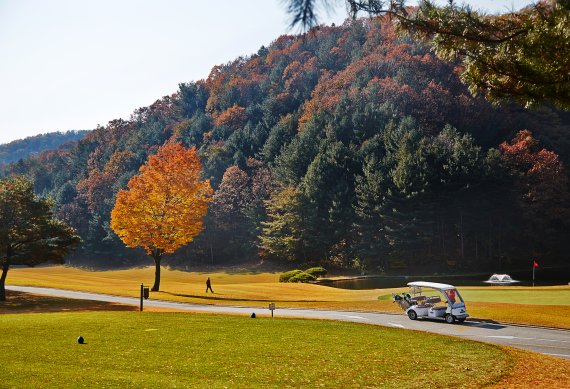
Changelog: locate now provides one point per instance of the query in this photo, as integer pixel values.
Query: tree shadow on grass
(218, 296)
(19, 302)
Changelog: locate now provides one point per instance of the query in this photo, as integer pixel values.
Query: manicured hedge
(285, 277)
(302, 276)
(317, 271)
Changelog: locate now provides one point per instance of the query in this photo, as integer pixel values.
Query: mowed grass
(159, 350)
(17, 302)
(543, 306)
(186, 286)
(534, 315)
(544, 295)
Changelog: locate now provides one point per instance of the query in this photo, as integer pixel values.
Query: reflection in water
(548, 277)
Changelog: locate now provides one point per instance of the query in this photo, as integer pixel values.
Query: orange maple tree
(163, 207)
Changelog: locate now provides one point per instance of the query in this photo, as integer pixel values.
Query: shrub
(303, 277)
(285, 277)
(317, 272)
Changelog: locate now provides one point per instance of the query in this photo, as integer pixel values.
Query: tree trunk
(157, 256)
(5, 268)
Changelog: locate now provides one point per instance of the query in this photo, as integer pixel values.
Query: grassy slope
(546, 306)
(128, 349)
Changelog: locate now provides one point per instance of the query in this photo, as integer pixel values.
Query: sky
(75, 64)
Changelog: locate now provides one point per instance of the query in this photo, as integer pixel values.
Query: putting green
(519, 295)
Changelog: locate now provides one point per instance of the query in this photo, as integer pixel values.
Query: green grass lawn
(509, 295)
(131, 349)
(524, 295)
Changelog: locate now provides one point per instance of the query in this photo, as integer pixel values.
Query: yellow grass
(539, 315)
(258, 289)
(533, 370)
(183, 286)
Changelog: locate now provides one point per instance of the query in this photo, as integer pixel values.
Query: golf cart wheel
(412, 315)
(449, 318)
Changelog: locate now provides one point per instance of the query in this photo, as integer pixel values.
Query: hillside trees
(237, 210)
(517, 56)
(163, 207)
(285, 233)
(368, 149)
(23, 148)
(29, 234)
(542, 191)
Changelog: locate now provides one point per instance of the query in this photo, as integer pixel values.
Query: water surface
(544, 277)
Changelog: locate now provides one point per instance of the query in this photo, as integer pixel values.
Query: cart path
(548, 341)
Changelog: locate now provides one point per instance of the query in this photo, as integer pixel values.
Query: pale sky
(74, 64)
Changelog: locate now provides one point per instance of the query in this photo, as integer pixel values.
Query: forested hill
(347, 146)
(23, 148)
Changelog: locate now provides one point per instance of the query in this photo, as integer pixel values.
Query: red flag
(535, 264)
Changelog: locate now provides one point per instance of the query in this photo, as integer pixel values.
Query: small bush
(303, 277)
(286, 277)
(317, 271)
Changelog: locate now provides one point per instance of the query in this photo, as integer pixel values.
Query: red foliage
(96, 188)
(541, 178)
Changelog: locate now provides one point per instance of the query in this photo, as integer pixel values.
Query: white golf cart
(438, 301)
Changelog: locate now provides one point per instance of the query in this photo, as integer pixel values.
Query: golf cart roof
(434, 285)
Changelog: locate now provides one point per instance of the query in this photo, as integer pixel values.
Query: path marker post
(271, 308)
(144, 295)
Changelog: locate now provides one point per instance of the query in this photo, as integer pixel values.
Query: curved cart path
(548, 341)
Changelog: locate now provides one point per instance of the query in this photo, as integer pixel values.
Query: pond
(543, 277)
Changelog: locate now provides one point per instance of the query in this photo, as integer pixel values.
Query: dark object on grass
(209, 285)
(80, 340)
(253, 315)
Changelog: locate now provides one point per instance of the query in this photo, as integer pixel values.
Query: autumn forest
(348, 146)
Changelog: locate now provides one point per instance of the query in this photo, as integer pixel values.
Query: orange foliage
(234, 117)
(163, 208)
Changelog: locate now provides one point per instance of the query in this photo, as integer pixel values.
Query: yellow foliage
(163, 208)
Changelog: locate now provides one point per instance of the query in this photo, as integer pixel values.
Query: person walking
(209, 285)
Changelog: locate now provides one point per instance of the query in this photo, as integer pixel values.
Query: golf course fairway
(541, 306)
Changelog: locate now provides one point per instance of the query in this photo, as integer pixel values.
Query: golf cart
(438, 301)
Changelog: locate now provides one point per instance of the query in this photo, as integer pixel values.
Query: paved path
(543, 340)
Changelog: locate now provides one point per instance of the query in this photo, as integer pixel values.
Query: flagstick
(533, 267)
